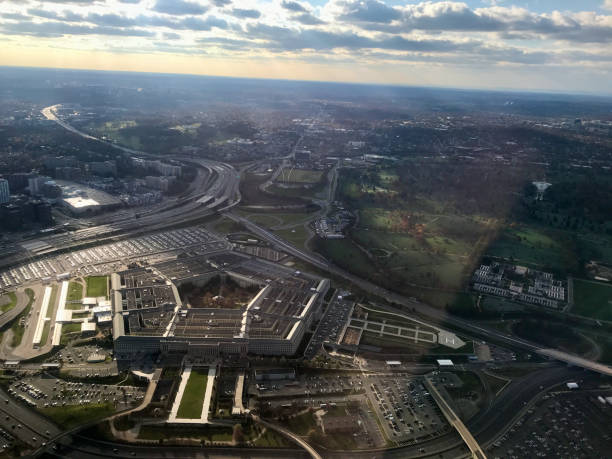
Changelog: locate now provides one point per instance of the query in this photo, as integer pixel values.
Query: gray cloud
(307, 19)
(193, 23)
(245, 13)
(368, 11)
(293, 6)
(458, 17)
(179, 7)
(58, 29)
(229, 43)
(170, 36)
(15, 16)
(285, 39)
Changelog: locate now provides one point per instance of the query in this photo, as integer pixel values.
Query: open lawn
(592, 299)
(408, 346)
(17, 328)
(75, 291)
(70, 416)
(297, 236)
(272, 219)
(225, 226)
(69, 331)
(97, 286)
(412, 246)
(193, 397)
(536, 247)
(554, 335)
(291, 175)
(253, 196)
(208, 432)
(302, 424)
(8, 302)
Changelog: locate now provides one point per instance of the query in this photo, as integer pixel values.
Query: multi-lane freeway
(440, 316)
(214, 188)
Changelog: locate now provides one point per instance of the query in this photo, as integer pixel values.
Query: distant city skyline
(489, 44)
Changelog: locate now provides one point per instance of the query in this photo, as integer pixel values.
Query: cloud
(229, 43)
(170, 36)
(294, 6)
(179, 7)
(197, 24)
(15, 16)
(607, 5)
(447, 16)
(307, 19)
(286, 39)
(366, 11)
(59, 29)
(221, 3)
(245, 13)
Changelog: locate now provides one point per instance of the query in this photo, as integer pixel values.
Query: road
(440, 316)
(22, 302)
(34, 426)
(288, 434)
(454, 421)
(85, 448)
(215, 188)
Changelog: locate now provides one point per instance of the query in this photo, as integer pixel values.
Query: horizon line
(297, 80)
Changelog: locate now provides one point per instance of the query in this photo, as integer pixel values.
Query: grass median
(193, 396)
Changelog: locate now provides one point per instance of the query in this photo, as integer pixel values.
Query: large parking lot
(405, 408)
(46, 391)
(564, 424)
(108, 257)
(331, 324)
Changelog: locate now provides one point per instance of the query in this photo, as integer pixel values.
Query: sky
(553, 45)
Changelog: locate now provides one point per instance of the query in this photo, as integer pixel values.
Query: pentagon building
(149, 319)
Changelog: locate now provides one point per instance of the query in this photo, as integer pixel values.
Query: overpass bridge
(453, 420)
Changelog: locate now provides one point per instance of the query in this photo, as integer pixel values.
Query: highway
(214, 188)
(454, 421)
(440, 316)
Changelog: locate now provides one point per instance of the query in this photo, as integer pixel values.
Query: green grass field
(553, 334)
(206, 432)
(69, 331)
(297, 236)
(533, 246)
(17, 328)
(301, 424)
(278, 219)
(193, 397)
(410, 347)
(410, 246)
(97, 286)
(291, 175)
(71, 416)
(75, 291)
(592, 299)
(8, 302)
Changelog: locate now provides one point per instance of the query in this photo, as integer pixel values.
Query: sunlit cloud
(368, 32)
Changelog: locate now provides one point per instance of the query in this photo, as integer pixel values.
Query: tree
(238, 434)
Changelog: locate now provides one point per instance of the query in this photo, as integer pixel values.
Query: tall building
(4, 191)
(35, 184)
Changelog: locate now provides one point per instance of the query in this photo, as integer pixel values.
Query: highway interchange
(216, 189)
